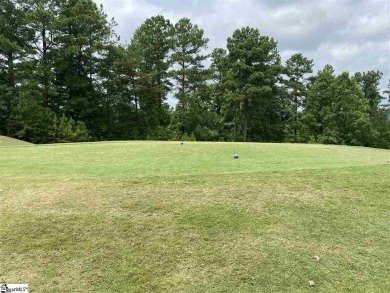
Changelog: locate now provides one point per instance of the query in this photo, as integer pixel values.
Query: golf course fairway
(170, 217)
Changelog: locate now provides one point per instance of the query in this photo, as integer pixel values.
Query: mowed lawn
(9, 141)
(161, 216)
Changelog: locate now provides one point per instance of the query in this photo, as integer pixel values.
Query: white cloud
(129, 14)
(348, 34)
(343, 51)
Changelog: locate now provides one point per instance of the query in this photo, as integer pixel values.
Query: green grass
(8, 141)
(160, 216)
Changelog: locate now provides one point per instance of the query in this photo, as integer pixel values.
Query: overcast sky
(351, 35)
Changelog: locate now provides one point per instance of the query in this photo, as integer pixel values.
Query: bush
(159, 133)
(203, 133)
(66, 130)
(32, 122)
(329, 137)
(187, 137)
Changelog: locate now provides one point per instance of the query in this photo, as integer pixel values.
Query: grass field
(160, 216)
(8, 141)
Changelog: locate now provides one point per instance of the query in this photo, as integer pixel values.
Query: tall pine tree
(154, 40)
(14, 37)
(188, 58)
(85, 32)
(252, 82)
(296, 69)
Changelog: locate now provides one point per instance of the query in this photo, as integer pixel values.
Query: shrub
(66, 130)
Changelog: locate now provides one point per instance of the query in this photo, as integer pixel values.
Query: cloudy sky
(352, 35)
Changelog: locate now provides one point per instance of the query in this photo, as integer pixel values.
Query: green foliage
(379, 113)
(14, 38)
(37, 124)
(84, 36)
(8, 99)
(203, 133)
(369, 83)
(296, 70)
(187, 57)
(348, 111)
(254, 70)
(188, 137)
(319, 102)
(153, 41)
(42, 19)
(32, 122)
(337, 111)
(62, 59)
(160, 133)
(66, 130)
(219, 70)
(387, 91)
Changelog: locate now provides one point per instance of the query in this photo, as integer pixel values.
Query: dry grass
(111, 217)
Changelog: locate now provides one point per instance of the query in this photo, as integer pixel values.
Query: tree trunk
(296, 119)
(90, 61)
(10, 99)
(45, 69)
(159, 94)
(135, 100)
(183, 88)
(246, 120)
(11, 73)
(159, 100)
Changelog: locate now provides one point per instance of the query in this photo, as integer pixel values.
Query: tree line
(65, 76)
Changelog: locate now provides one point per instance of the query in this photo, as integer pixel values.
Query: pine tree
(132, 88)
(349, 112)
(85, 33)
(318, 104)
(42, 19)
(13, 43)
(154, 40)
(187, 58)
(252, 82)
(296, 69)
(337, 111)
(387, 91)
(369, 83)
(219, 70)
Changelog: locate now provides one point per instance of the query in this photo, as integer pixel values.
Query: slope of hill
(9, 141)
(161, 216)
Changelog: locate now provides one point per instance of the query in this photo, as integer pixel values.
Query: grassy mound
(8, 141)
(160, 216)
